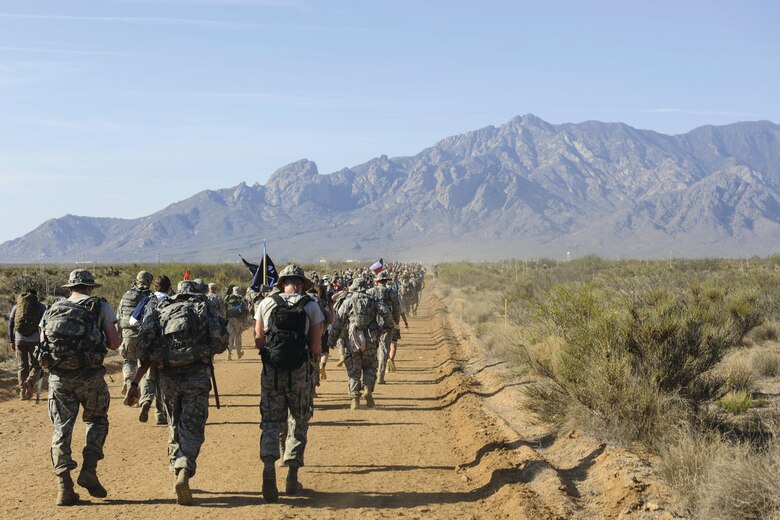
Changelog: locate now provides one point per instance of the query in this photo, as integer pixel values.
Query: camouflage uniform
(130, 334)
(80, 385)
(391, 300)
(360, 364)
(286, 391)
(185, 388)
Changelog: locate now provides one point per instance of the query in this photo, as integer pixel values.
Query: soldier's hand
(406, 325)
(133, 394)
(323, 374)
(13, 346)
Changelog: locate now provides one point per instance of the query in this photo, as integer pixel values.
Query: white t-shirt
(267, 304)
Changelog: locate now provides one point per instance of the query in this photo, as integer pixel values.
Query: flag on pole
(187, 274)
(257, 273)
(377, 266)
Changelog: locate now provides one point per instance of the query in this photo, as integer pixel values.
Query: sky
(118, 108)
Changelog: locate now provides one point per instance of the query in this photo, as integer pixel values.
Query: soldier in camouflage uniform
(360, 346)
(127, 305)
(76, 378)
(185, 365)
(382, 292)
(214, 296)
(286, 391)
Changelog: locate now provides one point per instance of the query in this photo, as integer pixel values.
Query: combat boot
(355, 405)
(88, 478)
(66, 496)
(144, 415)
(291, 485)
(182, 488)
(390, 366)
(369, 400)
(270, 492)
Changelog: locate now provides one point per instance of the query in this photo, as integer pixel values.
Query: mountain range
(525, 189)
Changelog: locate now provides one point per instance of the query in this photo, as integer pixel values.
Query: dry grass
(766, 363)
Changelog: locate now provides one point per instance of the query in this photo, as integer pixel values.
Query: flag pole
(265, 269)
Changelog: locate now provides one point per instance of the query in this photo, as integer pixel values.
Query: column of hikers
(168, 341)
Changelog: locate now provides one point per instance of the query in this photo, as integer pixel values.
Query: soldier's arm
(113, 341)
(259, 334)
(315, 339)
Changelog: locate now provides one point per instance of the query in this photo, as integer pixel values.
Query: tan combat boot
(355, 405)
(182, 488)
(88, 478)
(66, 496)
(369, 400)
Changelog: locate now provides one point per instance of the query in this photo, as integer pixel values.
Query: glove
(133, 394)
(323, 374)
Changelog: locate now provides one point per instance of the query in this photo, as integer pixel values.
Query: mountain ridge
(527, 188)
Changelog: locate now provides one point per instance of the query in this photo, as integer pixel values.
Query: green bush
(635, 360)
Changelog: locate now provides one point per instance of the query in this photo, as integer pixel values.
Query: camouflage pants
(234, 334)
(129, 357)
(151, 390)
(85, 388)
(383, 352)
(285, 396)
(28, 365)
(185, 396)
(361, 364)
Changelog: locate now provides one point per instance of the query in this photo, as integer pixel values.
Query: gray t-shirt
(266, 305)
(107, 315)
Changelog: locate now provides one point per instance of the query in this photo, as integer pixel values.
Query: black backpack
(286, 344)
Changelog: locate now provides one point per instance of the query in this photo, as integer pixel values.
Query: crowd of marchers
(168, 339)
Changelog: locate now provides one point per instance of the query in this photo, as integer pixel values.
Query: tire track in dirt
(427, 450)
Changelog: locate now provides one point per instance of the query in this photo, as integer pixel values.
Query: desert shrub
(632, 363)
(769, 331)
(736, 402)
(766, 363)
(737, 374)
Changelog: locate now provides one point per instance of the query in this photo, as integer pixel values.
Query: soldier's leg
(194, 401)
(383, 354)
(129, 360)
(169, 392)
(301, 410)
(63, 410)
(95, 398)
(273, 412)
(353, 364)
(369, 363)
(23, 356)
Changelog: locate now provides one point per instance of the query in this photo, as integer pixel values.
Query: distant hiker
(213, 295)
(288, 331)
(388, 333)
(180, 336)
(358, 316)
(127, 305)
(235, 310)
(24, 336)
(74, 336)
(149, 387)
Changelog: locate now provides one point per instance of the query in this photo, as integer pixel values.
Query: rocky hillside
(525, 189)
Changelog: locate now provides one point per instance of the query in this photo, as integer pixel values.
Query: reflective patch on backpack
(286, 344)
(73, 332)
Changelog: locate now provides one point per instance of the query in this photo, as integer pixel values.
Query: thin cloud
(50, 50)
(221, 24)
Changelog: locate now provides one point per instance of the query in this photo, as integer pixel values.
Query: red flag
(187, 274)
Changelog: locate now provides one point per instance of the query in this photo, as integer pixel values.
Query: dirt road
(432, 448)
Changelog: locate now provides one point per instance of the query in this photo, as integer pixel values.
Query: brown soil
(446, 440)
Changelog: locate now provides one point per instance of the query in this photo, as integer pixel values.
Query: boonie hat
(188, 287)
(294, 271)
(81, 277)
(384, 275)
(144, 278)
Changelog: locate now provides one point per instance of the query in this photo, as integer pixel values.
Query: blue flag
(257, 273)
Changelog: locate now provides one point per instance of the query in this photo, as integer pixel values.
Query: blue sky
(121, 107)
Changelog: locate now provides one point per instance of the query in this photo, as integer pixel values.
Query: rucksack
(184, 325)
(286, 344)
(28, 314)
(235, 306)
(73, 335)
(363, 311)
(127, 305)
